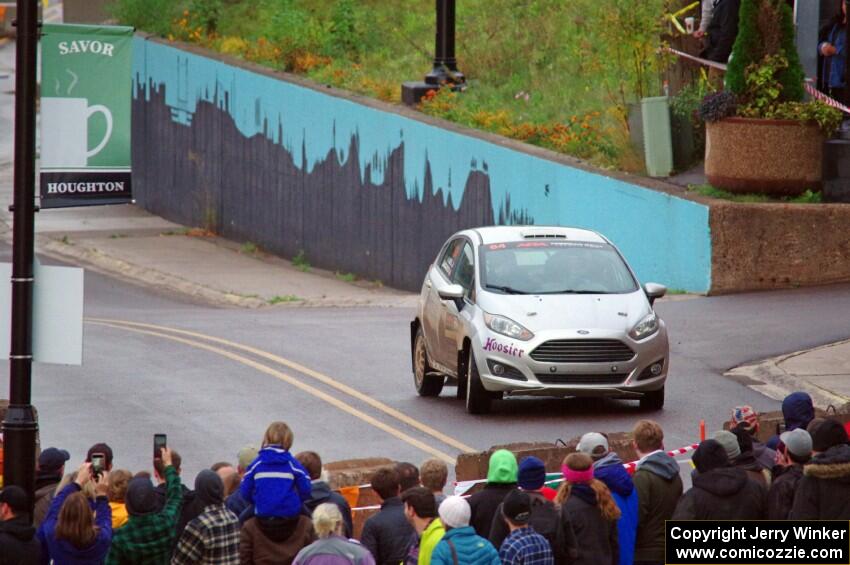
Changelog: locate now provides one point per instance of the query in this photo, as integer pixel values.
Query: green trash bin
(657, 138)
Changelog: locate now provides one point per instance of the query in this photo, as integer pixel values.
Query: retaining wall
(366, 187)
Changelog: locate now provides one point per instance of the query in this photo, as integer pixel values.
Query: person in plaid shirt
(213, 537)
(148, 536)
(523, 546)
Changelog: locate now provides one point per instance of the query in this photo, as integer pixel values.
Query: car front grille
(582, 351)
(555, 379)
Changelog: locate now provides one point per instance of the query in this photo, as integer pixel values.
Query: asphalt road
(341, 377)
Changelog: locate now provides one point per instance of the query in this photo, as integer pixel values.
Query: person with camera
(71, 533)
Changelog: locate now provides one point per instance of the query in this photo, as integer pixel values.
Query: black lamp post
(445, 71)
(20, 425)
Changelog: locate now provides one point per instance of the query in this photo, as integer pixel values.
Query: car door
(451, 336)
(439, 275)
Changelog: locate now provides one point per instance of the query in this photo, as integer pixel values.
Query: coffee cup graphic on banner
(65, 142)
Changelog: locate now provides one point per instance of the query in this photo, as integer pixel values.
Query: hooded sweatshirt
(18, 544)
(658, 487)
(62, 552)
(610, 471)
(824, 491)
(321, 493)
(797, 410)
(501, 479)
(213, 536)
(726, 493)
(276, 484)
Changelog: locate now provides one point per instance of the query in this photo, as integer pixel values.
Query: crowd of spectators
(274, 507)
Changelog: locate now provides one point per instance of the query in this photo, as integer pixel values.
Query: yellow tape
(685, 10)
(676, 23)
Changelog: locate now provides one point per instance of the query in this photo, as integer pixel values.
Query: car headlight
(645, 328)
(508, 327)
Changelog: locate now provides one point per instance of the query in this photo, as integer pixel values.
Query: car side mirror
(654, 291)
(451, 292)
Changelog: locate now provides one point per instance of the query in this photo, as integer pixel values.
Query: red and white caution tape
(700, 60)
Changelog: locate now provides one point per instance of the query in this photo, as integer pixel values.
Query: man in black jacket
(18, 544)
(51, 468)
(722, 31)
(501, 479)
(794, 451)
(720, 491)
(387, 534)
(321, 491)
(824, 491)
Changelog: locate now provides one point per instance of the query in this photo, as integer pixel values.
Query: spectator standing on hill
(794, 451)
(501, 479)
(188, 507)
(332, 548)
(148, 536)
(276, 483)
(460, 544)
(118, 482)
(722, 30)
(387, 534)
(212, 538)
(420, 509)
(833, 49)
(824, 491)
(720, 491)
(608, 468)
(18, 544)
(658, 486)
(49, 473)
(587, 505)
(321, 492)
(236, 503)
(523, 546)
(71, 533)
(798, 411)
(408, 475)
(434, 473)
(745, 417)
(545, 517)
(747, 460)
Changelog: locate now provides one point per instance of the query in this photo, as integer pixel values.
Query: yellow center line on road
(290, 380)
(330, 381)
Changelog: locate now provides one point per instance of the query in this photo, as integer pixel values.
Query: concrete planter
(778, 157)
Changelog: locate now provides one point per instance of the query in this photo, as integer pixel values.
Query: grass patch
(283, 299)
(118, 236)
(249, 248)
(346, 277)
(676, 291)
(709, 191)
(66, 240)
(300, 262)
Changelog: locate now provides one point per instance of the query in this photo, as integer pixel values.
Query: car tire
(478, 400)
(426, 384)
(653, 401)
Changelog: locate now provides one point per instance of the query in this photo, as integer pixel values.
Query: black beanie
(710, 455)
(208, 488)
(828, 434)
(141, 497)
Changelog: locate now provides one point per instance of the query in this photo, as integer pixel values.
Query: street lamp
(444, 71)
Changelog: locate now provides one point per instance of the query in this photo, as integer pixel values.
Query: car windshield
(556, 267)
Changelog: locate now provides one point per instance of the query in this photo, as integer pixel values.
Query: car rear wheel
(426, 384)
(477, 397)
(653, 401)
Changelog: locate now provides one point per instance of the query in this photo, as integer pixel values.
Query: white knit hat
(455, 512)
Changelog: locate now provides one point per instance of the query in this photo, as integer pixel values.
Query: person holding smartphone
(71, 533)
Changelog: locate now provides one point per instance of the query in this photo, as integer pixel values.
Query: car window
(464, 275)
(450, 256)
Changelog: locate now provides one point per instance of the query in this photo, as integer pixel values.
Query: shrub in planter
(760, 134)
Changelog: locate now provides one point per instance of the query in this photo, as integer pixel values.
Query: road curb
(769, 378)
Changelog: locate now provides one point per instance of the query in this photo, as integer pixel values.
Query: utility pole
(20, 426)
(444, 71)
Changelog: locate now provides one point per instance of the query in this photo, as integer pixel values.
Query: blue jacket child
(276, 484)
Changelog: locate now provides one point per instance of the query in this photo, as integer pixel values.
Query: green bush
(154, 16)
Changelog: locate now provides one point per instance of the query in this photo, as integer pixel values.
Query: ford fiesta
(537, 311)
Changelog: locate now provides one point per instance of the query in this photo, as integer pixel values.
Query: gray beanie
(729, 443)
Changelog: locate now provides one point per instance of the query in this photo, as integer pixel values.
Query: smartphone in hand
(98, 464)
(159, 443)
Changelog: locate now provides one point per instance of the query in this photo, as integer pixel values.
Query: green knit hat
(503, 467)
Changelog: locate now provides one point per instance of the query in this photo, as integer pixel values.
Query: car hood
(609, 312)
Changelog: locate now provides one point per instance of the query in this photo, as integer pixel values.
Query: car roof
(507, 234)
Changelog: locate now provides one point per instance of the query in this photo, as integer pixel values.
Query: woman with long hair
(588, 507)
(71, 532)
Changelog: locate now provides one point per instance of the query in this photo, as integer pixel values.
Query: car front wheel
(477, 397)
(426, 384)
(653, 401)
